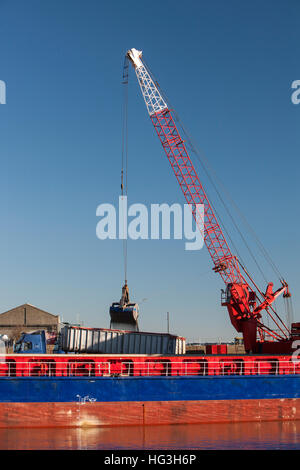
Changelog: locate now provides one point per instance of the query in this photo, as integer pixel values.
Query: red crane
(241, 300)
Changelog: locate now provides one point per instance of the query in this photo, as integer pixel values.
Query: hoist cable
(124, 169)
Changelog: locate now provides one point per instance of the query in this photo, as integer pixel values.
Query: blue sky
(227, 68)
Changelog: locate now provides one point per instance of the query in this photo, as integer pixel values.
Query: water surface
(274, 435)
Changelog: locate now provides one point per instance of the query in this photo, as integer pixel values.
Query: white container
(104, 341)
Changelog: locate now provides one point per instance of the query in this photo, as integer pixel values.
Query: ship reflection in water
(265, 435)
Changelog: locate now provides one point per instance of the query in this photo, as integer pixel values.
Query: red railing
(146, 368)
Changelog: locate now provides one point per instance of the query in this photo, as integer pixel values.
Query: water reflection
(275, 435)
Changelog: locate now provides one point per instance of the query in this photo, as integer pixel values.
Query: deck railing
(147, 368)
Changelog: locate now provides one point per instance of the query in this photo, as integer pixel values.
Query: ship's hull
(115, 401)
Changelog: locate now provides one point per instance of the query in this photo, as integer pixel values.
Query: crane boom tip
(135, 56)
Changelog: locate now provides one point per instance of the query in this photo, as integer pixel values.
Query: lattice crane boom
(240, 299)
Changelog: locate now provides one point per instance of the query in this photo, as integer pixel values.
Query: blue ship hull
(115, 389)
(109, 401)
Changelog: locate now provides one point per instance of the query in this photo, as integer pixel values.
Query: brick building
(27, 317)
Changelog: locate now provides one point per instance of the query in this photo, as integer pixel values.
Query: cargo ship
(136, 389)
(92, 382)
(99, 377)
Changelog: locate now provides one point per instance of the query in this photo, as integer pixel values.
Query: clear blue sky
(227, 68)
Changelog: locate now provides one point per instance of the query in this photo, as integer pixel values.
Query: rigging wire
(193, 149)
(210, 199)
(207, 169)
(267, 257)
(211, 203)
(289, 310)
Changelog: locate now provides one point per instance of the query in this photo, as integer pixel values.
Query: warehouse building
(27, 318)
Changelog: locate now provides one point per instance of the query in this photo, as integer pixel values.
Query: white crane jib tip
(135, 57)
